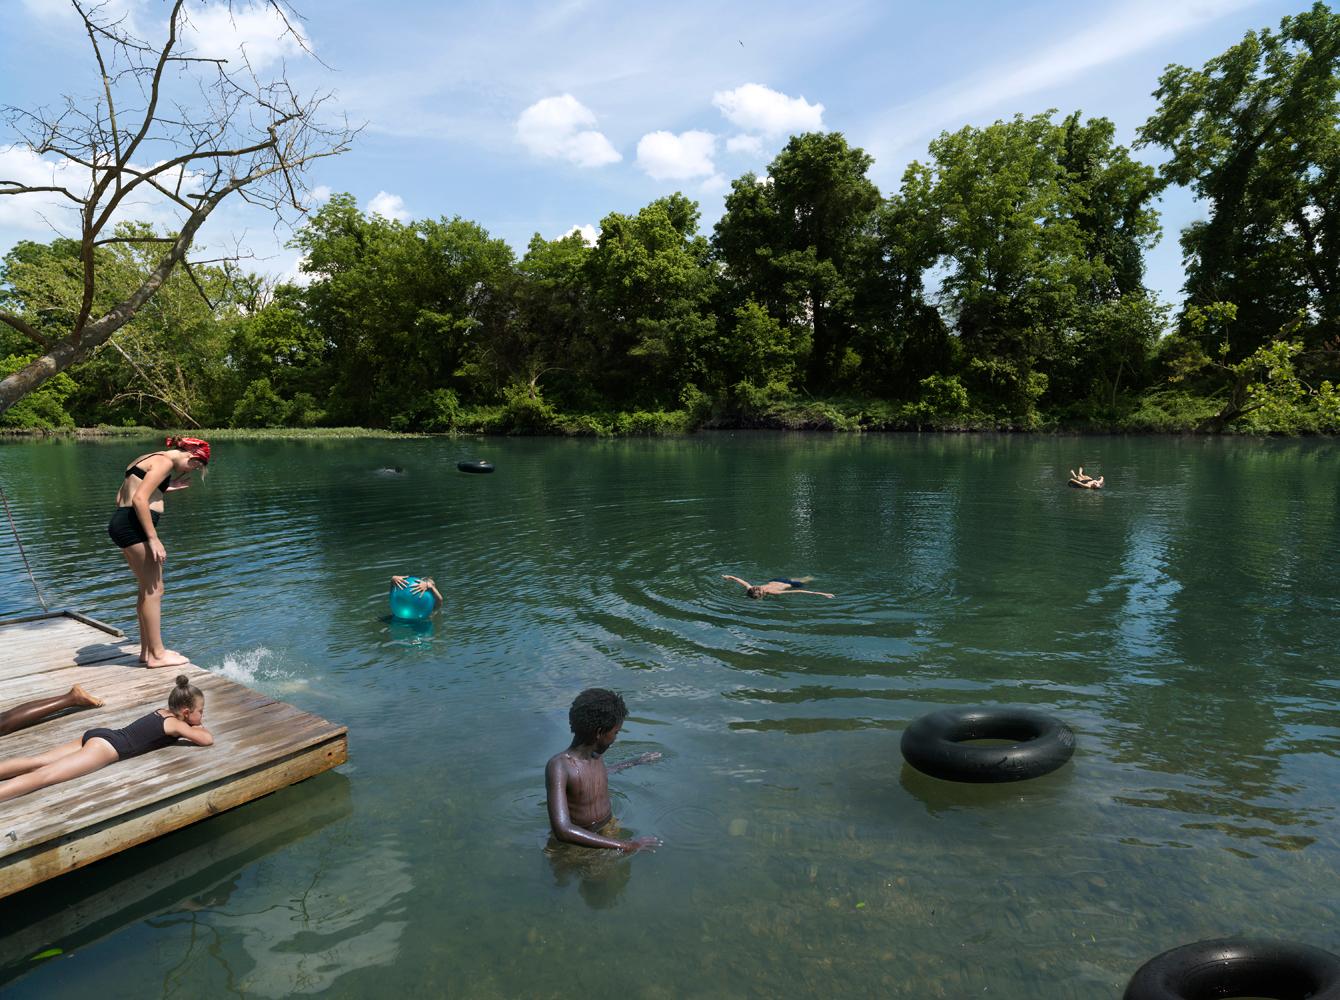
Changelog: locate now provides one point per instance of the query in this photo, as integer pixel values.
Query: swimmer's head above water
(596, 716)
(755, 592)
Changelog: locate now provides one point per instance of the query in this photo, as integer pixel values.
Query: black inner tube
(1208, 970)
(936, 744)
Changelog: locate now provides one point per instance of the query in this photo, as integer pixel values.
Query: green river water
(1183, 622)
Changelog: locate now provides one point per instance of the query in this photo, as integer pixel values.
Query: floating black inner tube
(1234, 968)
(936, 744)
(479, 466)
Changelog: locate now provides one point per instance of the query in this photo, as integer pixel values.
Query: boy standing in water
(577, 780)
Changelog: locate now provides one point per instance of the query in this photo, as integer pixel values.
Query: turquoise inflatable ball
(409, 605)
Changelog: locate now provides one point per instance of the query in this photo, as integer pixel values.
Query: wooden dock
(260, 745)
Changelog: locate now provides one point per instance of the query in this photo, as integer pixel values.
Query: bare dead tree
(171, 124)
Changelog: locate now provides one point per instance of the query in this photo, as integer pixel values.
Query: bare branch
(190, 272)
(135, 239)
(25, 329)
(17, 188)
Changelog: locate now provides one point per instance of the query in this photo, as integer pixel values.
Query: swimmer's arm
(427, 584)
(555, 783)
(742, 583)
(816, 593)
(649, 757)
(198, 735)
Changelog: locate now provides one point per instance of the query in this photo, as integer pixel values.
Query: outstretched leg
(75, 763)
(149, 607)
(32, 712)
(15, 766)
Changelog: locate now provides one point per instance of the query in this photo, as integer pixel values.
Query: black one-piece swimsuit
(141, 736)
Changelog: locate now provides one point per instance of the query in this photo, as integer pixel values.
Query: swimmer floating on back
(778, 585)
(1084, 482)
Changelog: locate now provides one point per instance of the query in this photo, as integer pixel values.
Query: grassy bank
(1153, 413)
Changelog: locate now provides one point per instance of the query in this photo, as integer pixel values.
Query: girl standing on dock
(97, 748)
(134, 527)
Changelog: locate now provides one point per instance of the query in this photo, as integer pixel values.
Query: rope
(12, 527)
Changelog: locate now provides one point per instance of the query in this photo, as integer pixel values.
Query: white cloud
(389, 206)
(39, 213)
(293, 273)
(590, 235)
(217, 32)
(321, 193)
(748, 145)
(756, 108)
(715, 184)
(668, 157)
(559, 127)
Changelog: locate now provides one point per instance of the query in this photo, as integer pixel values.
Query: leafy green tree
(801, 242)
(401, 307)
(905, 339)
(651, 287)
(545, 335)
(260, 406)
(760, 351)
(165, 365)
(278, 342)
(1037, 230)
(1253, 134)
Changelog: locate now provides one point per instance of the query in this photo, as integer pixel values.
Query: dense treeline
(1002, 285)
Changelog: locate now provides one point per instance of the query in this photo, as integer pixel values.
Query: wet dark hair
(185, 695)
(595, 710)
(754, 592)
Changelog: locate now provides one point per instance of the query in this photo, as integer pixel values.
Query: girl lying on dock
(100, 747)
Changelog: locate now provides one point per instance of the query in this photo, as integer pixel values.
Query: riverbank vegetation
(1000, 287)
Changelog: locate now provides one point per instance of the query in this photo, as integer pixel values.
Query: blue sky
(538, 117)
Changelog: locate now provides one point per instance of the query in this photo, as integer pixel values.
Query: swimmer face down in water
(780, 585)
(577, 781)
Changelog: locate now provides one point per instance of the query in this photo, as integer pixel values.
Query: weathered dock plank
(261, 745)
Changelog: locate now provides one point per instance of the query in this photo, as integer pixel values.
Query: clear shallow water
(1183, 621)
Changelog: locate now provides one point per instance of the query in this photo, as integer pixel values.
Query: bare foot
(82, 697)
(168, 658)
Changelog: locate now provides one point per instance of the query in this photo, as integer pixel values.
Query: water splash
(256, 668)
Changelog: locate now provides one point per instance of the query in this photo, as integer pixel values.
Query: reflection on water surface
(1183, 622)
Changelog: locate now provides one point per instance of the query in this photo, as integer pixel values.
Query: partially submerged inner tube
(1228, 967)
(477, 466)
(935, 744)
